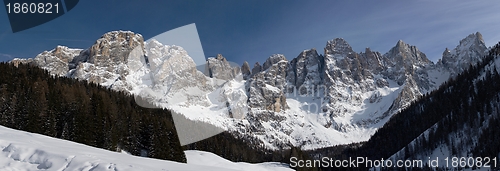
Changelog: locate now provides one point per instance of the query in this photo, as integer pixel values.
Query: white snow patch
(21, 150)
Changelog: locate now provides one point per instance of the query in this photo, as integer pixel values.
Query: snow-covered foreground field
(27, 151)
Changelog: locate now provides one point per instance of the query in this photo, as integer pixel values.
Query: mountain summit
(312, 100)
(465, 54)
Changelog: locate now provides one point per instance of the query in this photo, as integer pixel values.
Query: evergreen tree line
(467, 103)
(32, 100)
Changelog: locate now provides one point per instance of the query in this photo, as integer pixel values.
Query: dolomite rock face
(17, 61)
(245, 70)
(113, 48)
(464, 55)
(256, 68)
(57, 61)
(266, 88)
(105, 62)
(220, 68)
(305, 73)
(313, 100)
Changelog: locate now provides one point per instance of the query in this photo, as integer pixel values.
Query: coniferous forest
(32, 100)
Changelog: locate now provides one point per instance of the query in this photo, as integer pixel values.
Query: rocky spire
(245, 70)
(406, 55)
(372, 61)
(338, 46)
(342, 63)
(274, 59)
(305, 68)
(266, 88)
(220, 68)
(468, 52)
(447, 56)
(404, 60)
(256, 68)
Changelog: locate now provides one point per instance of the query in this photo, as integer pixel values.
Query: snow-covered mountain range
(313, 100)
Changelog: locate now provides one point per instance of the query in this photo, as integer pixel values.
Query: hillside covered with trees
(33, 100)
(462, 115)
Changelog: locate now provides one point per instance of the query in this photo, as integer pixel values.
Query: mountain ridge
(337, 97)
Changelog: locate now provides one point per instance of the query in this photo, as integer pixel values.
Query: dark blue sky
(254, 30)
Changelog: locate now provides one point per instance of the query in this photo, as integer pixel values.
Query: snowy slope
(27, 151)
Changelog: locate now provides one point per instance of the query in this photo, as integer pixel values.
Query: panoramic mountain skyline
(313, 81)
(361, 90)
(254, 30)
(281, 125)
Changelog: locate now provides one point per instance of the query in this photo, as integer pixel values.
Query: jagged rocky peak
(17, 61)
(114, 47)
(276, 66)
(474, 39)
(372, 60)
(342, 63)
(447, 57)
(446, 52)
(106, 61)
(342, 80)
(309, 55)
(110, 51)
(256, 68)
(407, 55)
(273, 59)
(166, 59)
(338, 46)
(157, 54)
(155, 44)
(266, 88)
(64, 53)
(220, 57)
(400, 44)
(57, 61)
(307, 59)
(406, 60)
(220, 68)
(305, 68)
(468, 52)
(245, 70)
